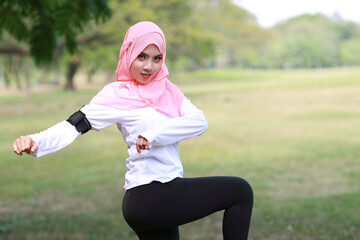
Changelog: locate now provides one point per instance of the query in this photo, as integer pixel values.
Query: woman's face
(145, 66)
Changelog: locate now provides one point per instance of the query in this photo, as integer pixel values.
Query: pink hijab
(126, 93)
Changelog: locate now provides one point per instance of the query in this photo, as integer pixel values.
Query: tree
(237, 36)
(184, 39)
(42, 24)
(47, 27)
(307, 41)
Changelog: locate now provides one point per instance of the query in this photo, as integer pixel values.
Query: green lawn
(294, 135)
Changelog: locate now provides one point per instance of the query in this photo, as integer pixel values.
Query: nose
(148, 66)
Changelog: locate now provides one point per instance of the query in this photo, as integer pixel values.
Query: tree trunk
(27, 82)
(15, 65)
(73, 66)
(6, 79)
(90, 74)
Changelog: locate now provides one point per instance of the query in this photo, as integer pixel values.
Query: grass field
(294, 135)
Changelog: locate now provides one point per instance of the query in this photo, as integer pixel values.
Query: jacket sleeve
(192, 123)
(63, 134)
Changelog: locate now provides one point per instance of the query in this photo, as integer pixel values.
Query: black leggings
(154, 211)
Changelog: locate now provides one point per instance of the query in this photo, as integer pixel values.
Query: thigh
(160, 206)
(200, 197)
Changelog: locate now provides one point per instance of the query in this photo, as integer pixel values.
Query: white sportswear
(160, 163)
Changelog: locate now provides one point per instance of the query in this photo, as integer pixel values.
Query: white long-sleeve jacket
(160, 163)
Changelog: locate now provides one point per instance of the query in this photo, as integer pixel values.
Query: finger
(19, 146)
(28, 143)
(142, 143)
(15, 147)
(19, 151)
(34, 147)
(138, 146)
(147, 145)
(22, 144)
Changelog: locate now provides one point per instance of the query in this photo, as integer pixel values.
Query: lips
(146, 75)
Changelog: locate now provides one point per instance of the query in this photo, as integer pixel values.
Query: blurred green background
(283, 106)
(51, 42)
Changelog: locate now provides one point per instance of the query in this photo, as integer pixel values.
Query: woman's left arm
(192, 123)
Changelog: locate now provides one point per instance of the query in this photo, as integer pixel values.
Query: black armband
(79, 120)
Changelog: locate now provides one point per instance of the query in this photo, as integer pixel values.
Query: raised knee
(245, 191)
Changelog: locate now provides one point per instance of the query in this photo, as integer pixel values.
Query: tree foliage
(186, 42)
(315, 40)
(42, 24)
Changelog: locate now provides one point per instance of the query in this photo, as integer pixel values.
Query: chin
(142, 82)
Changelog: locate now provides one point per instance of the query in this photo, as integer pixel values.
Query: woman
(153, 116)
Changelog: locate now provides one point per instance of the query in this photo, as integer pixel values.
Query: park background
(283, 106)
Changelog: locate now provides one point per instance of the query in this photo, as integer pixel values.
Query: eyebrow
(159, 55)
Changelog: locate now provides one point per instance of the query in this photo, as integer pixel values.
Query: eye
(141, 56)
(158, 58)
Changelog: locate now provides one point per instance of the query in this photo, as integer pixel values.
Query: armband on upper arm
(80, 122)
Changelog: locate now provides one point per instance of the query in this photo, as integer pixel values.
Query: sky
(269, 12)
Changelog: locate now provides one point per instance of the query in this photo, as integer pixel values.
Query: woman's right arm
(64, 133)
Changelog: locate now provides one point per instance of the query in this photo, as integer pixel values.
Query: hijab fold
(127, 93)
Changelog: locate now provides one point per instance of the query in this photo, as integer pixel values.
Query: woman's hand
(142, 144)
(24, 144)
